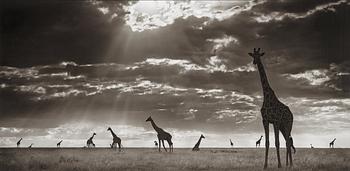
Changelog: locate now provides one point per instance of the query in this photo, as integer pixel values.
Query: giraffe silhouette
(196, 146)
(275, 112)
(89, 142)
(155, 144)
(116, 139)
(311, 146)
(258, 142)
(19, 142)
(231, 143)
(162, 135)
(331, 144)
(59, 144)
(30, 146)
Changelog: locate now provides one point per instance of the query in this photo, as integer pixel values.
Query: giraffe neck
(199, 141)
(113, 134)
(264, 81)
(92, 136)
(155, 127)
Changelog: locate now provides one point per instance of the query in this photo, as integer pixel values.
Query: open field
(180, 159)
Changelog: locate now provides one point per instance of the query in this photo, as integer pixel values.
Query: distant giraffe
(30, 145)
(155, 144)
(331, 144)
(162, 135)
(275, 112)
(258, 142)
(196, 147)
(116, 139)
(311, 146)
(231, 143)
(59, 144)
(19, 142)
(89, 142)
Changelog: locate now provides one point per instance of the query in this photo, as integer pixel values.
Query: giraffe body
(89, 142)
(162, 135)
(274, 112)
(331, 144)
(116, 140)
(196, 146)
(258, 142)
(59, 143)
(19, 142)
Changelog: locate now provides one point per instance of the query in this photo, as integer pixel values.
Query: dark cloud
(65, 61)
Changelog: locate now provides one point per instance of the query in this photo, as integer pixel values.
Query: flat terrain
(180, 159)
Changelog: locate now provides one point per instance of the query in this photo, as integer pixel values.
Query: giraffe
(162, 135)
(331, 144)
(196, 147)
(116, 139)
(89, 142)
(311, 146)
(231, 143)
(258, 142)
(19, 142)
(275, 112)
(59, 144)
(30, 145)
(155, 144)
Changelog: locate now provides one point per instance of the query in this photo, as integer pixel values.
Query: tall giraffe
(162, 135)
(196, 147)
(19, 142)
(258, 142)
(116, 139)
(89, 142)
(59, 144)
(275, 112)
(331, 144)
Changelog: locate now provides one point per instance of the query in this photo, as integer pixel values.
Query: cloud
(282, 15)
(146, 15)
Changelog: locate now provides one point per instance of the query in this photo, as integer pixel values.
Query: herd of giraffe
(273, 112)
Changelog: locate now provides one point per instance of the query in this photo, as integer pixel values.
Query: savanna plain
(80, 159)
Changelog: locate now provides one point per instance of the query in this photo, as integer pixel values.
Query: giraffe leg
(283, 131)
(267, 143)
(119, 146)
(277, 143)
(164, 146)
(159, 144)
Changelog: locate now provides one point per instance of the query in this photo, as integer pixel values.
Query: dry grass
(180, 159)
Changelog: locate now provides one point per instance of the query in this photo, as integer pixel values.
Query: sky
(71, 68)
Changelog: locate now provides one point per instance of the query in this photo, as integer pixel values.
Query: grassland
(181, 159)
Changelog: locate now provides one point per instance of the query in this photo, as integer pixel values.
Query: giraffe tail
(292, 145)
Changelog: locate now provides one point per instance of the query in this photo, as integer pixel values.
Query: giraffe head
(149, 119)
(256, 55)
(202, 136)
(94, 134)
(109, 129)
